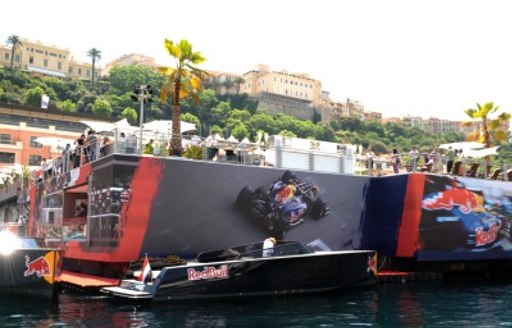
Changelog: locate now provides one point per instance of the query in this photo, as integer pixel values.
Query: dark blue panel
(383, 213)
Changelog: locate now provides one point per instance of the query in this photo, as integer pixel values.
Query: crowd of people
(431, 160)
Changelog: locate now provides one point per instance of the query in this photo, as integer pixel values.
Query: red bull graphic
(466, 200)
(485, 237)
(458, 218)
(39, 267)
(208, 273)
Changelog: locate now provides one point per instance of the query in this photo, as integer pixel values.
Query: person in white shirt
(414, 154)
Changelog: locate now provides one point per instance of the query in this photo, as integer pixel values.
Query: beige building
(130, 59)
(373, 116)
(40, 58)
(223, 82)
(332, 110)
(293, 85)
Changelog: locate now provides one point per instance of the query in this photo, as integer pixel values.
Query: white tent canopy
(479, 153)
(464, 145)
(165, 126)
(107, 127)
(54, 142)
(7, 169)
(232, 139)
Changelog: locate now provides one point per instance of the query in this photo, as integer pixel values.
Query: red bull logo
(483, 237)
(466, 200)
(39, 267)
(208, 273)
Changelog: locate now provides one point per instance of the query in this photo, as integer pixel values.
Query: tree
(125, 78)
(15, 42)
(130, 114)
(95, 54)
(181, 81)
(67, 106)
(228, 84)
(101, 107)
(33, 97)
(239, 81)
(490, 131)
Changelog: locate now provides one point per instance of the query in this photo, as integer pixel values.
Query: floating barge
(163, 207)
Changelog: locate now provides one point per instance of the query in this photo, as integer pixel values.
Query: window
(31, 60)
(17, 58)
(79, 71)
(6, 56)
(5, 138)
(34, 160)
(7, 158)
(70, 69)
(87, 73)
(33, 143)
(59, 66)
(45, 63)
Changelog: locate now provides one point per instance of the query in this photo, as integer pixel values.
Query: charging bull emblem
(39, 267)
(466, 200)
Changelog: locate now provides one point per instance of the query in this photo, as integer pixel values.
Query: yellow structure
(40, 58)
(283, 83)
(131, 59)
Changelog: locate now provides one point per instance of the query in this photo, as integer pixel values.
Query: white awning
(54, 142)
(479, 153)
(107, 127)
(45, 71)
(463, 145)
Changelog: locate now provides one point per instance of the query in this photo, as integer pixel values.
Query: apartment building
(284, 83)
(45, 59)
(332, 110)
(130, 59)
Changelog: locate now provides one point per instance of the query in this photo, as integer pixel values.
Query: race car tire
(244, 199)
(277, 228)
(318, 208)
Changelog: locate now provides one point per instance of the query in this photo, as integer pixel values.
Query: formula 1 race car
(284, 204)
(455, 218)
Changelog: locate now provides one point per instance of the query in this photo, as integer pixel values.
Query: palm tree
(488, 127)
(228, 84)
(15, 42)
(181, 81)
(95, 54)
(239, 81)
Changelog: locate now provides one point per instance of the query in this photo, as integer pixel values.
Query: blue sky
(422, 58)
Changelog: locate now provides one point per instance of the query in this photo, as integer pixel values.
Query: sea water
(418, 304)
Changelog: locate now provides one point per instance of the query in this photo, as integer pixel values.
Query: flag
(146, 270)
(44, 101)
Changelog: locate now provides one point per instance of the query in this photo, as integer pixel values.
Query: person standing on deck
(414, 155)
(395, 161)
(450, 158)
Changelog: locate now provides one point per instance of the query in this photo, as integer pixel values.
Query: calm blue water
(438, 304)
